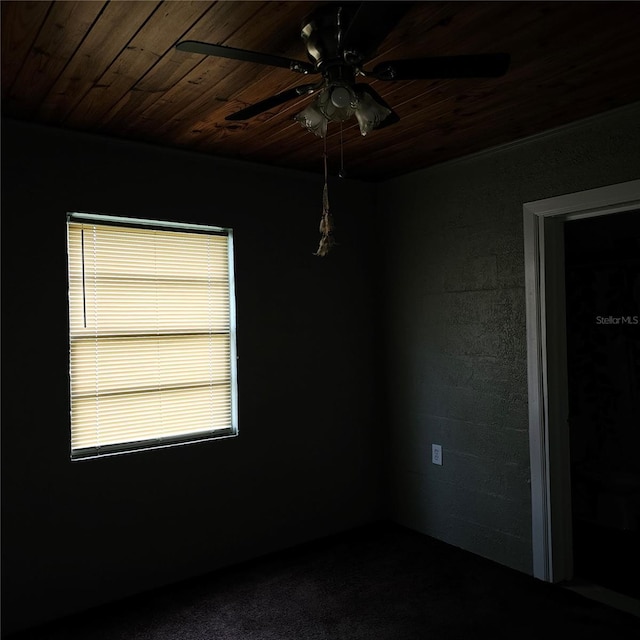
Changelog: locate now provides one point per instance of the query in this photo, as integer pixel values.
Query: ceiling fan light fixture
(342, 97)
(370, 114)
(313, 120)
(337, 102)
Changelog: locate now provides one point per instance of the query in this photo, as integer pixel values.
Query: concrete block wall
(456, 329)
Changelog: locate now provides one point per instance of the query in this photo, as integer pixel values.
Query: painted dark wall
(307, 461)
(457, 356)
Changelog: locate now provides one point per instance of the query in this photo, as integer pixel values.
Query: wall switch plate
(436, 454)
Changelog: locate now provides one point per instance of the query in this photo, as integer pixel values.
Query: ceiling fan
(340, 38)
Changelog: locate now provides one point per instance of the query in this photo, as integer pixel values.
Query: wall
(307, 460)
(456, 342)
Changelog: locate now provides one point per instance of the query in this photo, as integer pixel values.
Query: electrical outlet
(436, 454)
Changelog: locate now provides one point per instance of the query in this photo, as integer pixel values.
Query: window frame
(161, 442)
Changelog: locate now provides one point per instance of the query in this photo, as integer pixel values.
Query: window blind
(152, 339)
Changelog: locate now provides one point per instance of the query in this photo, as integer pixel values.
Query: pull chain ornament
(326, 222)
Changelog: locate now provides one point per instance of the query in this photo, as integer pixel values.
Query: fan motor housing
(323, 32)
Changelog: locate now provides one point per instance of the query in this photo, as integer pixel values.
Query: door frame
(552, 547)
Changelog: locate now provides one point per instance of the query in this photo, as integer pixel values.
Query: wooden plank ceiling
(111, 67)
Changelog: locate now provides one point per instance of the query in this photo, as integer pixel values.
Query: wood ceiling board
(154, 40)
(21, 23)
(118, 23)
(195, 89)
(139, 104)
(111, 67)
(60, 35)
(197, 99)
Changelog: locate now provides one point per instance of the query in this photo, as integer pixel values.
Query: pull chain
(326, 223)
(342, 172)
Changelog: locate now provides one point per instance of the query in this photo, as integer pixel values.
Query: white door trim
(546, 360)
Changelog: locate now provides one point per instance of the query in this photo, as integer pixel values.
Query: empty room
(320, 320)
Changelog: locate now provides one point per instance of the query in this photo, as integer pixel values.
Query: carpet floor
(380, 582)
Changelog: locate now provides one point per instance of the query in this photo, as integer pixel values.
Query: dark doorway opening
(602, 270)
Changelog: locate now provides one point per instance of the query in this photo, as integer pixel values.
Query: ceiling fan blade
(392, 118)
(220, 51)
(273, 101)
(490, 65)
(370, 25)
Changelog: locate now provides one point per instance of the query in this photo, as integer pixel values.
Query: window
(152, 334)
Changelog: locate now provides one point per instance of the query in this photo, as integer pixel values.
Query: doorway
(548, 375)
(602, 285)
